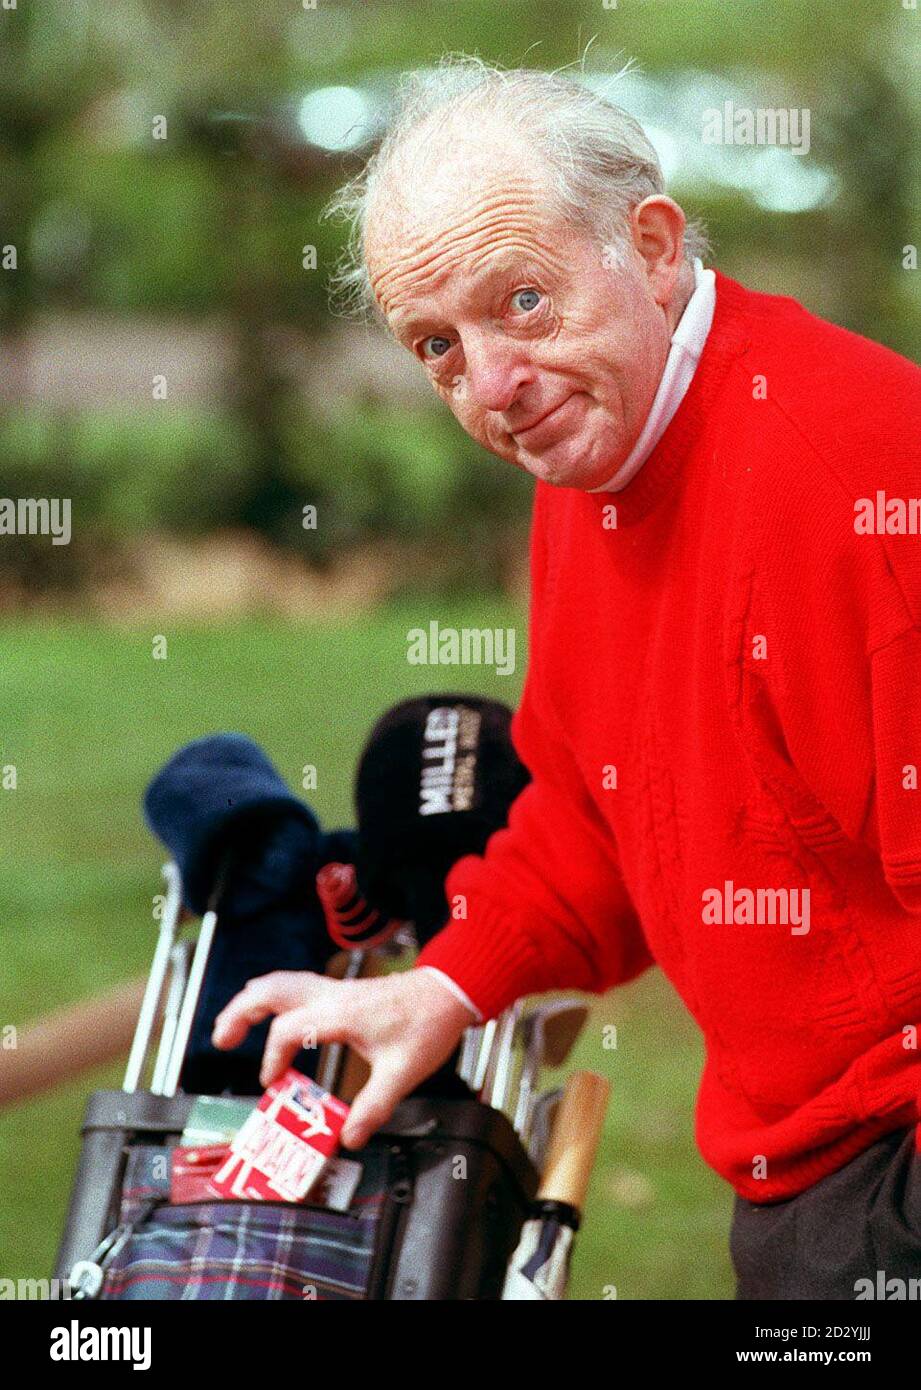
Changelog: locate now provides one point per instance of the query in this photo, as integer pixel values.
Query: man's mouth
(546, 418)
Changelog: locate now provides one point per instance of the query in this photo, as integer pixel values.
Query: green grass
(88, 714)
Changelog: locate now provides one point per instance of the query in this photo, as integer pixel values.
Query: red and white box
(284, 1145)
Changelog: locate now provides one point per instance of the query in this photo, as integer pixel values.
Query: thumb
(374, 1104)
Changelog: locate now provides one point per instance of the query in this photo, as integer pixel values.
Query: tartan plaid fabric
(242, 1250)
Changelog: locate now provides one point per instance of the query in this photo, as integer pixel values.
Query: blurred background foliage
(182, 256)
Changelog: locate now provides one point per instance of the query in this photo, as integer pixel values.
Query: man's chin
(567, 465)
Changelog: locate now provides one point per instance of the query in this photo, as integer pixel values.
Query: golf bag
(411, 1230)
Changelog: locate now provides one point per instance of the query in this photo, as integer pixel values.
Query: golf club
(539, 1268)
(193, 984)
(172, 908)
(180, 957)
(486, 1035)
(541, 1127)
(549, 1031)
(470, 1048)
(504, 1055)
(332, 1055)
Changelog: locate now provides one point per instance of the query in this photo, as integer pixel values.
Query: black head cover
(437, 777)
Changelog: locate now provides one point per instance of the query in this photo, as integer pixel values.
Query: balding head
(538, 286)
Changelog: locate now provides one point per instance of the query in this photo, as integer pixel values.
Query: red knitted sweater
(722, 717)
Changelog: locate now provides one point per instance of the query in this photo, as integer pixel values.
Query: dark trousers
(862, 1223)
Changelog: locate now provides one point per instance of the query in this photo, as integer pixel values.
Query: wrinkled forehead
(436, 221)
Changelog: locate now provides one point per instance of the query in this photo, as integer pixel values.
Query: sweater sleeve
(545, 906)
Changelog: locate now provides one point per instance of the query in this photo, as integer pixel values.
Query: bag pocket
(223, 1250)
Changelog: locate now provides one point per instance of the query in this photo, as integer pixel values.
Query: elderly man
(721, 711)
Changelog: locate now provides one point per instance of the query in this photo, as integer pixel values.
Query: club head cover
(436, 779)
(220, 800)
(269, 918)
(213, 790)
(352, 922)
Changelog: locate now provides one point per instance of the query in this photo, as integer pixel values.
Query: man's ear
(657, 228)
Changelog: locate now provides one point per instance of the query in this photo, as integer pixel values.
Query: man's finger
(305, 1027)
(374, 1104)
(259, 999)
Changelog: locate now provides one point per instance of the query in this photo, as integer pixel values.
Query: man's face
(547, 356)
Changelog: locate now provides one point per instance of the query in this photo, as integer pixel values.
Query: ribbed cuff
(490, 960)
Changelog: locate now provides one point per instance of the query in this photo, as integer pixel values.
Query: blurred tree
(211, 221)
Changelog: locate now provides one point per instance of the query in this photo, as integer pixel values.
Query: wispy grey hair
(599, 161)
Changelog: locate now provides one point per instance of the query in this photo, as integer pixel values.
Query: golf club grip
(71, 1040)
(574, 1139)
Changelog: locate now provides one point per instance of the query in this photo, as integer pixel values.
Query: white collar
(686, 346)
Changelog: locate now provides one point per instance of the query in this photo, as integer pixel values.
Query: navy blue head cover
(220, 798)
(214, 789)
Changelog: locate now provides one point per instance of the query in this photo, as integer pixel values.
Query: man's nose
(496, 372)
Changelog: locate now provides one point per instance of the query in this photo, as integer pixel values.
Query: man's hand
(404, 1025)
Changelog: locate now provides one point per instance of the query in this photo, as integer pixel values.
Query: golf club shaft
(481, 1070)
(540, 1124)
(332, 1057)
(470, 1048)
(504, 1054)
(527, 1085)
(179, 978)
(147, 1017)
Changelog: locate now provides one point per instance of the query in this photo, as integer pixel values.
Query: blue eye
(526, 300)
(435, 347)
